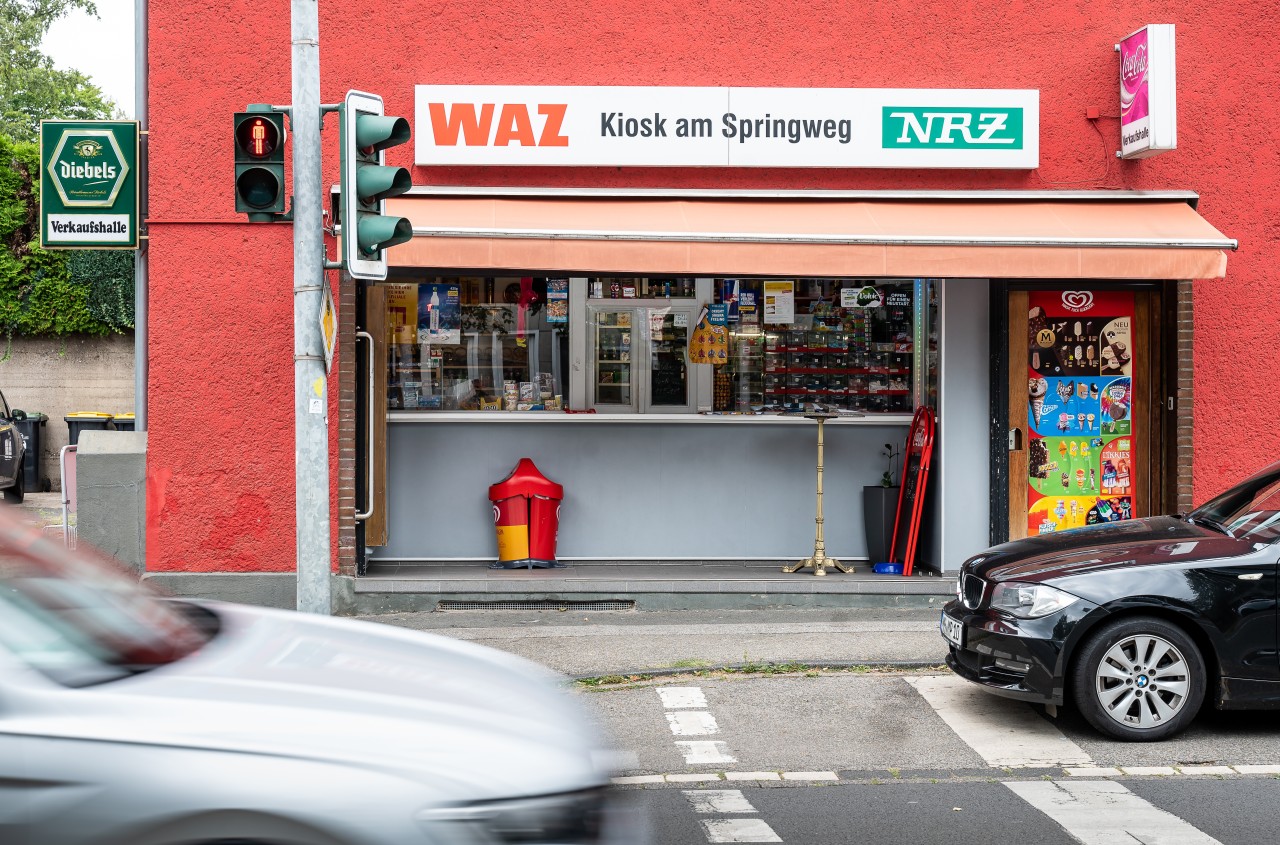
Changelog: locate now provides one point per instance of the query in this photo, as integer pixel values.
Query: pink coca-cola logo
(1134, 66)
(1077, 300)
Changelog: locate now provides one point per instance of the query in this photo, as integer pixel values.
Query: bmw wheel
(1139, 680)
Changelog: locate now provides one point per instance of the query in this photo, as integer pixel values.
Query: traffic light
(259, 140)
(366, 182)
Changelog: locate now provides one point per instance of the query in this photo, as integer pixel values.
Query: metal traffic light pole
(311, 401)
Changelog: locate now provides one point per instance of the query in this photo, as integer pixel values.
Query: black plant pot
(879, 507)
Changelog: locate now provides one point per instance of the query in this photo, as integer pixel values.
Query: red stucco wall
(220, 452)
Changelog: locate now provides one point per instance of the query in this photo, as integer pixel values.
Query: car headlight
(1029, 601)
(569, 818)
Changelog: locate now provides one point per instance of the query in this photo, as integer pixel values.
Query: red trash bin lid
(525, 480)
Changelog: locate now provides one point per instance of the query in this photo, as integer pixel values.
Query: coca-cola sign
(1148, 112)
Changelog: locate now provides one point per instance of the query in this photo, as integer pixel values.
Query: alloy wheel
(1142, 681)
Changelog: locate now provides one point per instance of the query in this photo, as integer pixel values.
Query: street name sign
(89, 184)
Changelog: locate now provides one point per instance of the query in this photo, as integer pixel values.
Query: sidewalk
(625, 642)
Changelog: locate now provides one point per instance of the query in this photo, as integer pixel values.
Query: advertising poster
(780, 302)
(1079, 401)
(439, 313)
(402, 313)
(730, 294)
(747, 306)
(557, 301)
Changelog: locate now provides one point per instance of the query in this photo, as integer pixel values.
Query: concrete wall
(57, 376)
(111, 472)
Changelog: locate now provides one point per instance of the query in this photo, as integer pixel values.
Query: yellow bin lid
(124, 416)
(96, 415)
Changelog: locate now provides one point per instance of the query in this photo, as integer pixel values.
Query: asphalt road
(922, 757)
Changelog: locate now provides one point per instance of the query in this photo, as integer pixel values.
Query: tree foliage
(44, 292)
(31, 88)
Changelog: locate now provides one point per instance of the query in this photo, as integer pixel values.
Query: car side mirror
(17, 414)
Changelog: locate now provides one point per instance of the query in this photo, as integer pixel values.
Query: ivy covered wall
(59, 292)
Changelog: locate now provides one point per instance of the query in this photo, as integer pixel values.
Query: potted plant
(880, 507)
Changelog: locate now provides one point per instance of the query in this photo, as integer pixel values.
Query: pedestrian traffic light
(259, 140)
(366, 182)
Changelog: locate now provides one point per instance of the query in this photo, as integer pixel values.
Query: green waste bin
(85, 421)
(123, 422)
(29, 426)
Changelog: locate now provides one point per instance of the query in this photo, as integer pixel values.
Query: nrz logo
(951, 128)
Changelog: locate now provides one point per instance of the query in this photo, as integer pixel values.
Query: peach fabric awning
(801, 236)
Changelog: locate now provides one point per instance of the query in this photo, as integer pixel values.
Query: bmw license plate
(952, 630)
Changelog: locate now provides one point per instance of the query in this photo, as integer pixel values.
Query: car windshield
(1250, 510)
(80, 620)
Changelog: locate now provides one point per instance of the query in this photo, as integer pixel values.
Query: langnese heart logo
(1077, 300)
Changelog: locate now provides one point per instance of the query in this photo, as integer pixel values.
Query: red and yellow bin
(526, 514)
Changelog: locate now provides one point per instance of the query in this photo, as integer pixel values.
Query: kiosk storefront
(558, 324)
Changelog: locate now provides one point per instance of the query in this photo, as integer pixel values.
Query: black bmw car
(1133, 622)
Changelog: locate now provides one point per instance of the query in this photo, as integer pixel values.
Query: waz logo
(951, 128)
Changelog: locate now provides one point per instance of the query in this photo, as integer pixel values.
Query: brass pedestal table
(819, 561)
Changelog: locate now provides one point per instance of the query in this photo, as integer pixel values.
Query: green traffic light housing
(367, 181)
(259, 138)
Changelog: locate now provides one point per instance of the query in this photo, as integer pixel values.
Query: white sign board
(1148, 92)
(726, 127)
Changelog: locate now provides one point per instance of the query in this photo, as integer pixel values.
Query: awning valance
(991, 236)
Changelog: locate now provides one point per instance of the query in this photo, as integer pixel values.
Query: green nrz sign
(89, 184)
(949, 128)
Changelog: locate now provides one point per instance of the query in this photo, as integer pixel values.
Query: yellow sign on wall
(328, 325)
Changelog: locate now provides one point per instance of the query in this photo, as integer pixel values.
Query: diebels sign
(1148, 92)
(727, 127)
(89, 184)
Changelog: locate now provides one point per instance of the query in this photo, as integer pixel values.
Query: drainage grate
(537, 604)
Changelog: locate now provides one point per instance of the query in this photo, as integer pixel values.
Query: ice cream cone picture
(1080, 420)
(1091, 418)
(1065, 391)
(1036, 389)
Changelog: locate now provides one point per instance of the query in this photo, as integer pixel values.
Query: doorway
(1085, 377)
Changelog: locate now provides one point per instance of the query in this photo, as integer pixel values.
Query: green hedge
(52, 292)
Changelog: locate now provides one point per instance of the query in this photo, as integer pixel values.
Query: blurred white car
(130, 720)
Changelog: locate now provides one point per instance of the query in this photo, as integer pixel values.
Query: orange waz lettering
(514, 125)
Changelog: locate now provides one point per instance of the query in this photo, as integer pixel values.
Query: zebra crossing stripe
(687, 698)
(692, 723)
(1004, 733)
(739, 830)
(718, 801)
(709, 801)
(703, 752)
(1104, 812)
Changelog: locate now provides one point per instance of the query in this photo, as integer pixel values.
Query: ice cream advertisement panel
(1079, 395)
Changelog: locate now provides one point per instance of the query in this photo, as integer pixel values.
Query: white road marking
(1103, 812)
(809, 776)
(639, 779)
(739, 830)
(1149, 770)
(1257, 770)
(703, 752)
(686, 778)
(692, 723)
(690, 698)
(1093, 772)
(1207, 770)
(752, 776)
(1003, 732)
(718, 801)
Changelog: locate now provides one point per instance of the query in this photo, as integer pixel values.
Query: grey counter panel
(643, 490)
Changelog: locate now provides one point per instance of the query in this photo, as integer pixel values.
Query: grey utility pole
(311, 401)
